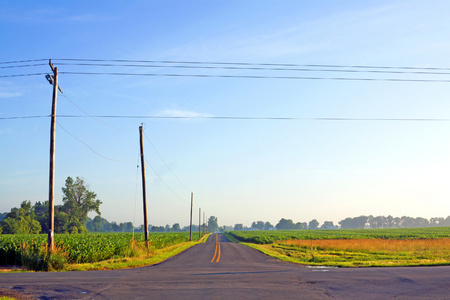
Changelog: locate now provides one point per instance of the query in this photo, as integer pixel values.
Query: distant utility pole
(204, 220)
(144, 190)
(190, 227)
(51, 190)
(199, 222)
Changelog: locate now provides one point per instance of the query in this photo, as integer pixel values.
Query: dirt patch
(10, 268)
(14, 295)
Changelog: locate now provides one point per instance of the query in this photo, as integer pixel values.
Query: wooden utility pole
(190, 227)
(51, 189)
(144, 190)
(199, 222)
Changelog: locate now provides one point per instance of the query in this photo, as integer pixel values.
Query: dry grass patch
(361, 252)
(417, 246)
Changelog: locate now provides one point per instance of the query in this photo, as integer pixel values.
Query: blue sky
(239, 170)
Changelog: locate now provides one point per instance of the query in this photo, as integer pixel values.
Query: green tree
(238, 227)
(97, 224)
(213, 225)
(313, 224)
(267, 226)
(3, 215)
(284, 224)
(299, 225)
(259, 225)
(327, 225)
(78, 202)
(21, 220)
(41, 215)
(176, 227)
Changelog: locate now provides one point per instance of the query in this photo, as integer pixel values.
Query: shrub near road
(351, 248)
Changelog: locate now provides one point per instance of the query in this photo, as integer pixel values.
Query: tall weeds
(38, 258)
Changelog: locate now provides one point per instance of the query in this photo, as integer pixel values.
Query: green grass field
(354, 248)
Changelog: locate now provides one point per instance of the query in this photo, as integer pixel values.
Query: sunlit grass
(426, 246)
(353, 247)
(361, 252)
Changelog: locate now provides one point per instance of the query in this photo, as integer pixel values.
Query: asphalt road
(219, 269)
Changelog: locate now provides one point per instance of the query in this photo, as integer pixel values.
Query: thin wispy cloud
(182, 114)
(4, 95)
(89, 18)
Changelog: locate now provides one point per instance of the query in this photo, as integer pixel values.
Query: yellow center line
(217, 251)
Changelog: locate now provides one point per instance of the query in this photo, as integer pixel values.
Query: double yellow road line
(217, 252)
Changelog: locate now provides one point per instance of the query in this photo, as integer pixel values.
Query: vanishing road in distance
(219, 269)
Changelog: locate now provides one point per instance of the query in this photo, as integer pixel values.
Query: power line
(163, 181)
(92, 117)
(89, 147)
(21, 66)
(240, 118)
(256, 77)
(162, 159)
(238, 66)
(252, 64)
(24, 117)
(23, 75)
(258, 68)
(23, 61)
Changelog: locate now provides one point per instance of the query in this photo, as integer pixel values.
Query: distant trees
(176, 227)
(238, 227)
(213, 225)
(327, 225)
(313, 224)
(259, 225)
(360, 222)
(285, 224)
(354, 223)
(391, 222)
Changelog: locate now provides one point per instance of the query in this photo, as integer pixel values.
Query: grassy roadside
(327, 256)
(145, 258)
(357, 252)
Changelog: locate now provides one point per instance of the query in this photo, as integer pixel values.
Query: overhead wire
(89, 147)
(364, 70)
(91, 116)
(169, 168)
(255, 76)
(21, 66)
(240, 118)
(22, 75)
(205, 65)
(23, 61)
(165, 183)
(252, 64)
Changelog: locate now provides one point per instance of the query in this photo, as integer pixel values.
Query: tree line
(78, 201)
(360, 222)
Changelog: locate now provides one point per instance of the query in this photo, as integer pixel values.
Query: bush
(40, 259)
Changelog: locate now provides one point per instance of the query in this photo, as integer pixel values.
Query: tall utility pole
(190, 227)
(51, 189)
(204, 223)
(144, 190)
(199, 222)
